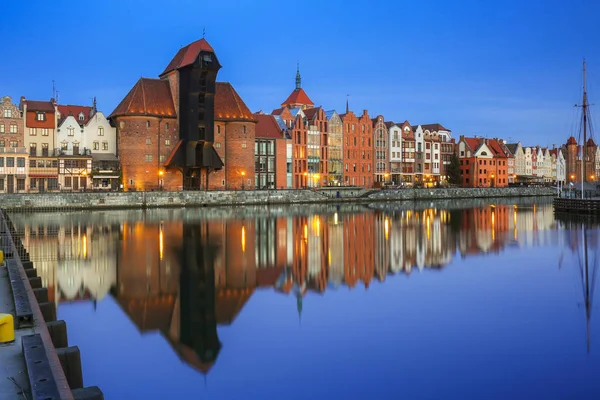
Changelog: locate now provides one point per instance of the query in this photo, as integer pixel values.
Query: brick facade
(11, 124)
(234, 142)
(141, 152)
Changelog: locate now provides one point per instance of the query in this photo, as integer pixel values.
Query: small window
(148, 141)
(218, 128)
(81, 116)
(122, 125)
(64, 145)
(13, 128)
(162, 158)
(71, 131)
(147, 124)
(148, 157)
(40, 116)
(32, 132)
(7, 113)
(100, 131)
(218, 145)
(244, 129)
(167, 126)
(104, 145)
(1, 128)
(167, 142)
(96, 146)
(243, 145)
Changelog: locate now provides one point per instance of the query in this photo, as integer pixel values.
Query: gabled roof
(473, 143)
(280, 122)
(278, 111)
(571, 140)
(267, 127)
(187, 55)
(229, 105)
(434, 127)
(496, 148)
(329, 114)
(389, 124)
(512, 147)
(34, 105)
(151, 97)
(66, 110)
(298, 96)
(310, 113)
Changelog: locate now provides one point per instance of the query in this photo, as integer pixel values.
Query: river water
(437, 300)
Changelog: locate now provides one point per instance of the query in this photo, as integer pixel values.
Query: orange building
(483, 162)
(358, 149)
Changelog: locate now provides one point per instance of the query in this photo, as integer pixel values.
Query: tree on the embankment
(454, 170)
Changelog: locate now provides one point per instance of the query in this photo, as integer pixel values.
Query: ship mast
(584, 145)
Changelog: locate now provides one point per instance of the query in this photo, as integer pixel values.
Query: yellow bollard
(1, 257)
(7, 328)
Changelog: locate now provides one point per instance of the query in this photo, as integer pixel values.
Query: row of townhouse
(494, 163)
(45, 146)
(185, 130)
(298, 145)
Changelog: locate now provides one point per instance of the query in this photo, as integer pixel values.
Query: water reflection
(185, 272)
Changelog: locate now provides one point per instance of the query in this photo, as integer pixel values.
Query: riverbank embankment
(116, 200)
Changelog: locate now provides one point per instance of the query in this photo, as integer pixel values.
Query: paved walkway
(13, 376)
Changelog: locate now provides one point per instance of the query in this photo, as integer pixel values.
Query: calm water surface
(474, 300)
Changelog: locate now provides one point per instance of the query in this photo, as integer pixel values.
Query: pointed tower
(298, 98)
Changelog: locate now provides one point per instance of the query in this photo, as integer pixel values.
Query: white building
(395, 141)
(85, 131)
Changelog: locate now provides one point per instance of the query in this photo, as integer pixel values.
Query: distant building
(270, 161)
(40, 120)
(335, 148)
(483, 162)
(381, 153)
(395, 151)
(11, 124)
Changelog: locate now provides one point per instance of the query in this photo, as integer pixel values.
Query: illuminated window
(7, 113)
(148, 158)
(13, 128)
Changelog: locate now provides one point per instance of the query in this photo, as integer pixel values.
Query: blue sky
(509, 69)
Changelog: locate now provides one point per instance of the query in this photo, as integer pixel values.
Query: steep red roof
(278, 111)
(45, 106)
(66, 110)
(267, 127)
(591, 143)
(229, 105)
(298, 96)
(496, 148)
(473, 143)
(150, 97)
(187, 55)
(571, 140)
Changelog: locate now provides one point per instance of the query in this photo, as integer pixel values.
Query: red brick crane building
(151, 143)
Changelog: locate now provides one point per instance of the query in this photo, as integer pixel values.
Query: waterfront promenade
(111, 200)
(38, 363)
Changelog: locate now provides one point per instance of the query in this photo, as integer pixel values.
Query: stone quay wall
(114, 200)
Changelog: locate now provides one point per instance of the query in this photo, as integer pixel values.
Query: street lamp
(492, 182)
(160, 175)
(572, 177)
(243, 173)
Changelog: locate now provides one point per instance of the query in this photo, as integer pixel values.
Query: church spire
(298, 79)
